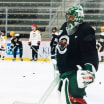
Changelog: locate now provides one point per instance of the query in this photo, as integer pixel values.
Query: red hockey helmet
(34, 26)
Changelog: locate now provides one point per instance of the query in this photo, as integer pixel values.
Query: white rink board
(27, 81)
(44, 50)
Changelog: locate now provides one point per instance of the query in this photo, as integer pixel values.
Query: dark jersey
(53, 43)
(76, 49)
(16, 42)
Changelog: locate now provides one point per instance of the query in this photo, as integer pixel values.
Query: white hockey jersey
(3, 42)
(35, 37)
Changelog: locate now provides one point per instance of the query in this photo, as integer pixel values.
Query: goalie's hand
(85, 76)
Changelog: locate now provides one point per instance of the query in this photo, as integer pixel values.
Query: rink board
(43, 52)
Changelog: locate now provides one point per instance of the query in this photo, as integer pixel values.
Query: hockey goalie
(77, 57)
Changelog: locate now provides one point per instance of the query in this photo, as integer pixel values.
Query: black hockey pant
(35, 52)
(20, 49)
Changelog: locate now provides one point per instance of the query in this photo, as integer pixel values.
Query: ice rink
(27, 81)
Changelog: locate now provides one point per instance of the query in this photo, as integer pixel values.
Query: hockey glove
(38, 43)
(17, 44)
(85, 76)
(10, 50)
(29, 43)
(2, 46)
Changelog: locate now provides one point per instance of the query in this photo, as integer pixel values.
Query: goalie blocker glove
(85, 75)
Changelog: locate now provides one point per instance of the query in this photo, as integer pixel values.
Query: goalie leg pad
(65, 92)
(65, 96)
(68, 85)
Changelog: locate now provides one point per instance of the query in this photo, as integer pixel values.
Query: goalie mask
(74, 16)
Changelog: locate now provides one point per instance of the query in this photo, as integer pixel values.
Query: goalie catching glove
(85, 76)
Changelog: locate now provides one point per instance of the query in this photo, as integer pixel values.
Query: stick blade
(19, 102)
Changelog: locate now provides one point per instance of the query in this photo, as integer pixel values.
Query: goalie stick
(46, 93)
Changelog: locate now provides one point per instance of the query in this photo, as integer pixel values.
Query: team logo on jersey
(62, 45)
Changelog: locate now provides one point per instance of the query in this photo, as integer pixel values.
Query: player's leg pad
(64, 91)
(68, 87)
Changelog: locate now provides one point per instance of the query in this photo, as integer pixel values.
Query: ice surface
(27, 81)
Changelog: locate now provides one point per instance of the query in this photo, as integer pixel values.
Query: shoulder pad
(87, 32)
(38, 31)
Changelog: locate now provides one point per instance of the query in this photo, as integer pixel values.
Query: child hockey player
(77, 57)
(101, 41)
(34, 42)
(15, 44)
(54, 41)
(53, 45)
(3, 43)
